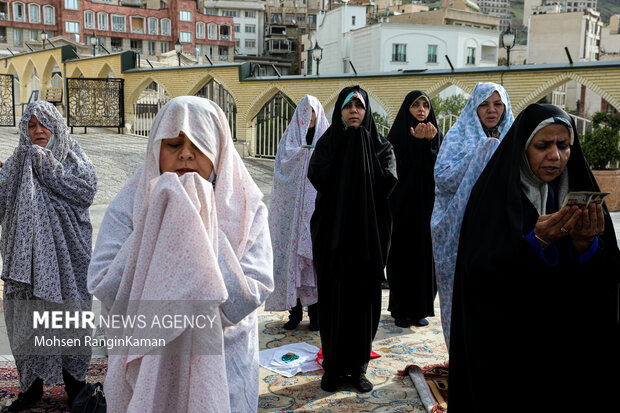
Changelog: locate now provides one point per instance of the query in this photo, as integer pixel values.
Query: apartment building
(148, 27)
(248, 22)
(498, 8)
(286, 21)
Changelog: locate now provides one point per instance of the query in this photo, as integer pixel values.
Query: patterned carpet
(54, 397)
(398, 348)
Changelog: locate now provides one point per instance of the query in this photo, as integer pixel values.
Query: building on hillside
(248, 19)
(458, 13)
(580, 32)
(148, 27)
(572, 6)
(383, 47)
(499, 8)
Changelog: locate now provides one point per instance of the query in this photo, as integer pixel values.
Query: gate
(7, 101)
(271, 122)
(214, 91)
(95, 102)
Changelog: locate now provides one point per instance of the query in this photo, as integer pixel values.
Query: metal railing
(583, 125)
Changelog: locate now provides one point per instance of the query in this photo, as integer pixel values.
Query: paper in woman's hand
(584, 198)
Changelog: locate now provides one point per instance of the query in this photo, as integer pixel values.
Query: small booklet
(584, 198)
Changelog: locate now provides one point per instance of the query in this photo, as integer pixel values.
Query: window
(212, 31)
(250, 28)
(136, 45)
(301, 18)
(399, 52)
(251, 43)
(71, 4)
(223, 53)
(117, 44)
(152, 48)
(250, 14)
(19, 14)
(432, 53)
(276, 18)
(185, 16)
(211, 12)
(312, 19)
(33, 35)
(185, 37)
(34, 13)
(48, 15)
(153, 26)
(136, 24)
(17, 37)
(118, 23)
(165, 27)
(89, 19)
(102, 21)
(352, 20)
(471, 55)
(72, 27)
(237, 43)
(200, 30)
(237, 28)
(231, 13)
(164, 47)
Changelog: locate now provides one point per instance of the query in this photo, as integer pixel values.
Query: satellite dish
(294, 22)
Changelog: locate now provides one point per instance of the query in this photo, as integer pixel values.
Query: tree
(450, 108)
(382, 122)
(600, 146)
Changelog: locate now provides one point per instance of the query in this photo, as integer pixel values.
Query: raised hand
(591, 222)
(552, 227)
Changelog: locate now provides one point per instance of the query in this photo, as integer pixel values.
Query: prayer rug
(54, 397)
(398, 347)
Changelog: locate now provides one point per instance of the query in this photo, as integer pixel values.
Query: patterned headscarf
(44, 200)
(463, 154)
(292, 205)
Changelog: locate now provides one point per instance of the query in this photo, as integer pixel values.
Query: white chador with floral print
(166, 237)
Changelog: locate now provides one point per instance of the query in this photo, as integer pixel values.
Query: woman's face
(490, 111)
(313, 120)
(39, 134)
(548, 152)
(180, 155)
(420, 108)
(353, 112)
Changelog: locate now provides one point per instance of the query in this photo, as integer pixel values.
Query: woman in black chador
(410, 271)
(534, 313)
(353, 170)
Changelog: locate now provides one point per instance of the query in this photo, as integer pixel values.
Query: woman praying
(292, 205)
(46, 188)
(464, 152)
(410, 273)
(536, 283)
(189, 225)
(353, 170)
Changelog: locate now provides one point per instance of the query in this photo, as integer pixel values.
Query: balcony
(223, 57)
(4, 16)
(225, 37)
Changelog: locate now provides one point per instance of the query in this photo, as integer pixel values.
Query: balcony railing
(4, 16)
(225, 37)
(138, 30)
(223, 57)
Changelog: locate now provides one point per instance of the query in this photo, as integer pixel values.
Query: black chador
(532, 322)
(410, 269)
(354, 171)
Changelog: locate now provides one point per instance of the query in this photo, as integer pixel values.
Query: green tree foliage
(600, 146)
(382, 122)
(452, 105)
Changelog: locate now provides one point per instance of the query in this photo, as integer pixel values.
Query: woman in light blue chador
(464, 153)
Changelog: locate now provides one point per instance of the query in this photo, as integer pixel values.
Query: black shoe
(314, 324)
(402, 322)
(291, 324)
(72, 387)
(25, 400)
(329, 382)
(423, 322)
(361, 383)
